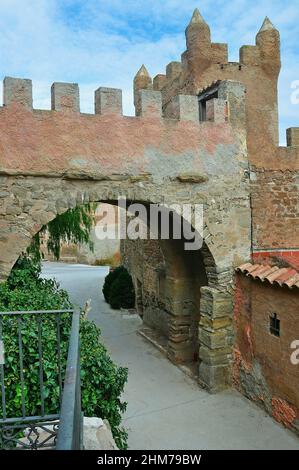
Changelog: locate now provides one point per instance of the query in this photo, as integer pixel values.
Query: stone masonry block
(159, 82)
(150, 103)
(213, 340)
(215, 304)
(16, 90)
(215, 356)
(216, 110)
(234, 93)
(185, 108)
(65, 97)
(180, 353)
(213, 324)
(173, 70)
(293, 137)
(214, 378)
(108, 101)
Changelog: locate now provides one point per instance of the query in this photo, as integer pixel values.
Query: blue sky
(103, 43)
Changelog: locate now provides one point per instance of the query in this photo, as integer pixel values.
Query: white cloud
(100, 43)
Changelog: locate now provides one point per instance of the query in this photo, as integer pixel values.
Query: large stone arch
(194, 289)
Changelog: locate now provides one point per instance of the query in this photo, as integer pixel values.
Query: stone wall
(146, 263)
(275, 209)
(169, 282)
(262, 362)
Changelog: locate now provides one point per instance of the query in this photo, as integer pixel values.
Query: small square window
(274, 325)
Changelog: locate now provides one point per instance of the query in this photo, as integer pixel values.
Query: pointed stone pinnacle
(267, 25)
(196, 17)
(142, 72)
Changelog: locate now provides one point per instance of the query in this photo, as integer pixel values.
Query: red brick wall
(275, 210)
(262, 367)
(280, 258)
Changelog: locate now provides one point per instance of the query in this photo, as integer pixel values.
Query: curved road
(166, 409)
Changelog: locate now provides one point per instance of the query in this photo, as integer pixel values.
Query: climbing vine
(73, 226)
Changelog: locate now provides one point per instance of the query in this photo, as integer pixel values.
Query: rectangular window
(202, 102)
(274, 325)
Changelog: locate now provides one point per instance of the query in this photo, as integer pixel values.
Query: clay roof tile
(273, 274)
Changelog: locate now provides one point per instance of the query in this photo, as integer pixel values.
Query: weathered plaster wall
(262, 362)
(76, 145)
(161, 160)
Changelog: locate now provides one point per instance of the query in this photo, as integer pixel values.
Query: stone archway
(52, 160)
(194, 287)
(186, 303)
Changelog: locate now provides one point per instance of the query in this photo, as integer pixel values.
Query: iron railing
(26, 338)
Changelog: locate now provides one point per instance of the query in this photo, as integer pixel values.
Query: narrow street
(166, 409)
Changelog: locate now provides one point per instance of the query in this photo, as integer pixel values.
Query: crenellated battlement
(65, 98)
(204, 62)
(293, 137)
(16, 90)
(201, 53)
(202, 89)
(64, 142)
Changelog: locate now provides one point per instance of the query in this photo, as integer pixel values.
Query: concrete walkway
(166, 409)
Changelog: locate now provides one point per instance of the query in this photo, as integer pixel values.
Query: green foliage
(29, 327)
(109, 279)
(122, 293)
(26, 290)
(72, 226)
(102, 380)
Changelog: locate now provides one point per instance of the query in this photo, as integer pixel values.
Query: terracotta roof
(278, 276)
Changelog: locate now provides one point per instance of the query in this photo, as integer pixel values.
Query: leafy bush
(122, 293)
(29, 328)
(109, 279)
(102, 380)
(26, 290)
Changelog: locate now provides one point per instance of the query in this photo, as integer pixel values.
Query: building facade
(266, 289)
(205, 133)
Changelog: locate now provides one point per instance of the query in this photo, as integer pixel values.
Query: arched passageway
(53, 160)
(182, 290)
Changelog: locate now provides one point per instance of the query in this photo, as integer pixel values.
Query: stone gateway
(205, 132)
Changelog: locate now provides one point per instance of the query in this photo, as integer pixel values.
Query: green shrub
(26, 290)
(109, 279)
(29, 329)
(122, 293)
(102, 380)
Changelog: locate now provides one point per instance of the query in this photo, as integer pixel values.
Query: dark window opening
(202, 102)
(274, 325)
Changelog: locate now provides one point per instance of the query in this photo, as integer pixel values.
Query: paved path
(166, 409)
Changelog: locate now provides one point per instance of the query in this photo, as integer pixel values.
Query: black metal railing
(70, 436)
(34, 361)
